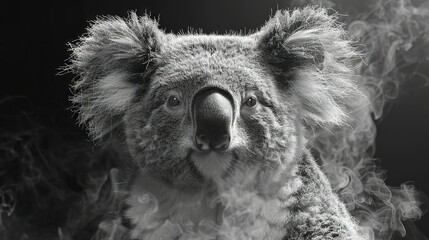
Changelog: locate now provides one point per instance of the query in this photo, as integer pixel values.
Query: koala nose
(217, 143)
(213, 114)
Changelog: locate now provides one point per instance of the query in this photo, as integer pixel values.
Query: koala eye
(250, 102)
(173, 101)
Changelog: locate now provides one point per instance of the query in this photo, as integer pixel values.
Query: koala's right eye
(173, 101)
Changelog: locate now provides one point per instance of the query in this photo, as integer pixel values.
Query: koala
(217, 126)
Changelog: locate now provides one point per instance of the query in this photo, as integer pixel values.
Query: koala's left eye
(250, 102)
(173, 101)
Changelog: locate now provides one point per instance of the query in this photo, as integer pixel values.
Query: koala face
(196, 108)
(210, 107)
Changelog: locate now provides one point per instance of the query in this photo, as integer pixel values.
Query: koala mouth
(212, 165)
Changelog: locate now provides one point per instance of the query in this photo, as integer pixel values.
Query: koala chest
(154, 211)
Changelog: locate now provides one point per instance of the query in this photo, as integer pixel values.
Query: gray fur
(312, 46)
(118, 51)
(298, 67)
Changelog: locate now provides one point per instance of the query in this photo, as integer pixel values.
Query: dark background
(33, 47)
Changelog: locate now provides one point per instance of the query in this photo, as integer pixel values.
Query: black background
(33, 47)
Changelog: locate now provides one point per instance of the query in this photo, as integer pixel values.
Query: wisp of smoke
(394, 35)
(253, 206)
(52, 184)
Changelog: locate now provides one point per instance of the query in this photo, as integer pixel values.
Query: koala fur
(266, 185)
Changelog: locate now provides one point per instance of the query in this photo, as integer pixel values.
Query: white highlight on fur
(317, 104)
(114, 91)
(212, 165)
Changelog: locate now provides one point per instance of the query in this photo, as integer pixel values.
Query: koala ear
(111, 61)
(310, 54)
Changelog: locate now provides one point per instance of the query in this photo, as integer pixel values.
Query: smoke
(394, 37)
(54, 180)
(248, 211)
(53, 184)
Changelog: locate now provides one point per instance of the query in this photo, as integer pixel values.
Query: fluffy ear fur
(111, 61)
(310, 53)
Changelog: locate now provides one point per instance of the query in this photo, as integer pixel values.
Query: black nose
(213, 114)
(207, 143)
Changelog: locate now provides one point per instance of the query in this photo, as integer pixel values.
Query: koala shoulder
(318, 211)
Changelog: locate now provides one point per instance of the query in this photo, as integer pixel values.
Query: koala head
(196, 107)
